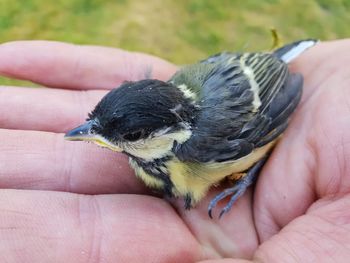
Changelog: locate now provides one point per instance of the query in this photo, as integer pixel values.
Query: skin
(74, 202)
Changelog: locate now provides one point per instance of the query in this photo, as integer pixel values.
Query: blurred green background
(181, 31)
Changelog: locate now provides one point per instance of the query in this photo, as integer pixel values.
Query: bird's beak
(80, 133)
(83, 133)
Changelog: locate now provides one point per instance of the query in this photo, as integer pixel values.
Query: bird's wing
(246, 102)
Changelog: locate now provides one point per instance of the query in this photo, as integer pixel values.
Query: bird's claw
(238, 190)
(235, 191)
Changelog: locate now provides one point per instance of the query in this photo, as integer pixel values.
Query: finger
(65, 65)
(42, 109)
(233, 235)
(320, 62)
(226, 260)
(322, 235)
(310, 160)
(286, 181)
(41, 160)
(38, 226)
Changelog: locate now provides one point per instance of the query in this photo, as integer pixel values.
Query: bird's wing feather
(244, 99)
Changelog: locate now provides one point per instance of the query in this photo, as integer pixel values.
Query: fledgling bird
(214, 119)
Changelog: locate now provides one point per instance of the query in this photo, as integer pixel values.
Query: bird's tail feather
(290, 51)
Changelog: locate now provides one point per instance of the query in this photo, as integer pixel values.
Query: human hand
(76, 202)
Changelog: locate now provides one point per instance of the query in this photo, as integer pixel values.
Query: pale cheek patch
(157, 147)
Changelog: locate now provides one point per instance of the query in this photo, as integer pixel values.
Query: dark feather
(229, 126)
(136, 109)
(290, 51)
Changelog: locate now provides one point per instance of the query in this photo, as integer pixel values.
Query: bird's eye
(133, 136)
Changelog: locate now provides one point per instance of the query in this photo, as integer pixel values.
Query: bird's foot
(236, 191)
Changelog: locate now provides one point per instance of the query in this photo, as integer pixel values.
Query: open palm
(74, 202)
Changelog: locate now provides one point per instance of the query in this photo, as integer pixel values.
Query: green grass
(181, 31)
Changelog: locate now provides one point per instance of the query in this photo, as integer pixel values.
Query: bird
(216, 119)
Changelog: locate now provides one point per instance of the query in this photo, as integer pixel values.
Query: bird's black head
(142, 118)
